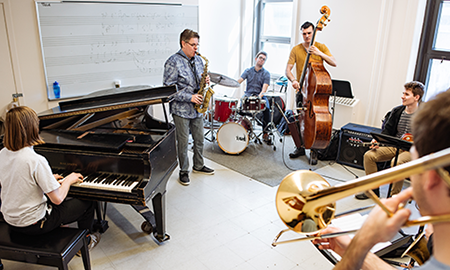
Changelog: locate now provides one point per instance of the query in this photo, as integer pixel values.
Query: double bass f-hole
(309, 108)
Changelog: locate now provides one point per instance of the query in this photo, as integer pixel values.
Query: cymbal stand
(210, 113)
(271, 126)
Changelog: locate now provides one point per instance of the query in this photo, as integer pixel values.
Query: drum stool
(55, 248)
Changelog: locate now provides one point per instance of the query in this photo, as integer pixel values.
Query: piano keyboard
(105, 181)
(344, 101)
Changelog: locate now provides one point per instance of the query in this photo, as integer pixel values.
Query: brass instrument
(306, 203)
(205, 90)
(418, 250)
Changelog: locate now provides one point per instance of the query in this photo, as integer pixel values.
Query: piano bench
(55, 248)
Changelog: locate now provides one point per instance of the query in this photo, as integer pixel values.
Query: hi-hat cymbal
(223, 80)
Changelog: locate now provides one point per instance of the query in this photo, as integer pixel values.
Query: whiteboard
(88, 46)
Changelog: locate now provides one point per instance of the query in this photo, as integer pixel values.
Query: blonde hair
(21, 129)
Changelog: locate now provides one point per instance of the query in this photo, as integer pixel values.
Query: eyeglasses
(262, 58)
(193, 45)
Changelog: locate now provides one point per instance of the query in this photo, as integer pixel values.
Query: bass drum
(233, 136)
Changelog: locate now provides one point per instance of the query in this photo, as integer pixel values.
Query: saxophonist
(184, 69)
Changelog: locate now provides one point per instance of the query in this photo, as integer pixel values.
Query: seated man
(258, 80)
(397, 125)
(430, 126)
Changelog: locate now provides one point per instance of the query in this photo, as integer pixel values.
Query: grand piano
(125, 154)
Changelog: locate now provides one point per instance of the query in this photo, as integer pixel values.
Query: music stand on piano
(387, 140)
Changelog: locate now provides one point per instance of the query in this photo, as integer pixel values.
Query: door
(7, 86)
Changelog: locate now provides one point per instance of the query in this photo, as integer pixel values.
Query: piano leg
(154, 222)
(100, 224)
(159, 206)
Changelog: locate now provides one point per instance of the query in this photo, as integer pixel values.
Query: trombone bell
(292, 207)
(306, 203)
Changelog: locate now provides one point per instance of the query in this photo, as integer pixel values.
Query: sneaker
(95, 239)
(184, 179)
(297, 152)
(204, 170)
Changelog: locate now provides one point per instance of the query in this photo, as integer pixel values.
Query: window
(433, 61)
(273, 26)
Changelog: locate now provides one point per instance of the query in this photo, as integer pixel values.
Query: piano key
(103, 181)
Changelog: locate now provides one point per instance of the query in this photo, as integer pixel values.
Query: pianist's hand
(74, 178)
(337, 244)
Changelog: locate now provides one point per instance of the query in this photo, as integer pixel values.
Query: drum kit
(235, 130)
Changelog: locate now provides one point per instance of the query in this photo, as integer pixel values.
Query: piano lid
(110, 99)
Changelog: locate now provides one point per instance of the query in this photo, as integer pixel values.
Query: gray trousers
(183, 125)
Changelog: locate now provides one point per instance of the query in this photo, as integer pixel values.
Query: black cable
(294, 169)
(356, 176)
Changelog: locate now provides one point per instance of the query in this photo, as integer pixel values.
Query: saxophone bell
(204, 91)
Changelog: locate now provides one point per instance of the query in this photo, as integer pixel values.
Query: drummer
(258, 80)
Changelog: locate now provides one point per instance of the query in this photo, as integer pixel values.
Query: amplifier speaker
(350, 151)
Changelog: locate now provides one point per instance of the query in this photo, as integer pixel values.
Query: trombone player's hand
(379, 227)
(337, 244)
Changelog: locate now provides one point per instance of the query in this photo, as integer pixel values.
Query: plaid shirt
(179, 71)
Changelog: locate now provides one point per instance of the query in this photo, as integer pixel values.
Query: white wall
(374, 42)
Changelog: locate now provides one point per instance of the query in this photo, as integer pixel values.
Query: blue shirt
(179, 71)
(255, 80)
(433, 264)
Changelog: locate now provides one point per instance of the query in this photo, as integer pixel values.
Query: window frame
(258, 38)
(429, 32)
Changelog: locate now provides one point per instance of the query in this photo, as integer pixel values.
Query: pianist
(184, 69)
(27, 183)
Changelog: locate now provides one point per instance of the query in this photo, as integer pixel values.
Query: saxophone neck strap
(191, 63)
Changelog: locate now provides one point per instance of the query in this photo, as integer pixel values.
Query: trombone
(306, 202)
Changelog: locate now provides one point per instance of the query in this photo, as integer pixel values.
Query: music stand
(387, 140)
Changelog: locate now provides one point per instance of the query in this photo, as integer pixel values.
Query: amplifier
(351, 152)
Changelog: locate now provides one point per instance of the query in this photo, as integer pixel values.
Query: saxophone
(206, 92)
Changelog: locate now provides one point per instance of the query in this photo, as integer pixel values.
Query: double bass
(315, 120)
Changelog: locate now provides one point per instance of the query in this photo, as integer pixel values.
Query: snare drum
(223, 108)
(233, 136)
(251, 104)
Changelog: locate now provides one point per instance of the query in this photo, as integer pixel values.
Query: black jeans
(70, 210)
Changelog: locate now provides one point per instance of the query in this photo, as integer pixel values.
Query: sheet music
(354, 222)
